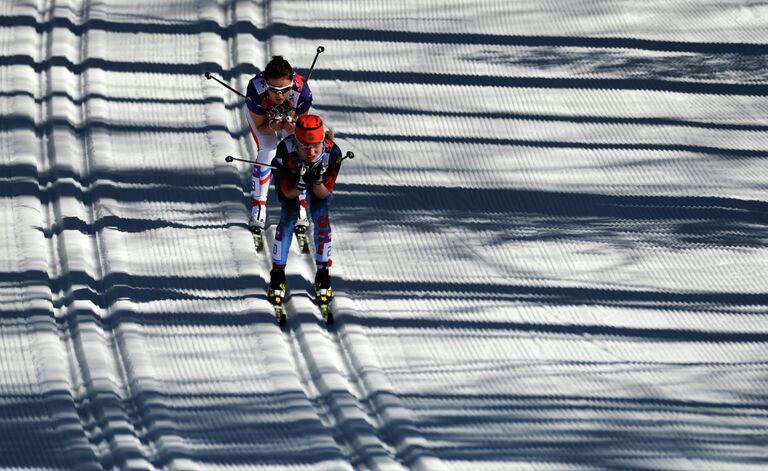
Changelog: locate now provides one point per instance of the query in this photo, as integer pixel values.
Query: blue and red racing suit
(289, 163)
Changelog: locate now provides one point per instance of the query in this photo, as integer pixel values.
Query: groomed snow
(550, 250)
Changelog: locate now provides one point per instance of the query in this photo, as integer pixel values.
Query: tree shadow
(218, 429)
(661, 81)
(315, 32)
(593, 431)
(673, 222)
(546, 118)
(730, 67)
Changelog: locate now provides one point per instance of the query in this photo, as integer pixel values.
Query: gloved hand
(314, 173)
(276, 122)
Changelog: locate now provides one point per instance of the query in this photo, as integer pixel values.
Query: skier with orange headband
(307, 160)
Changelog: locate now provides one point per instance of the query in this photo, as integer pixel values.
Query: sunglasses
(285, 89)
(308, 146)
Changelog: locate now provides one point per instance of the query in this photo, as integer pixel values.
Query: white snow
(550, 250)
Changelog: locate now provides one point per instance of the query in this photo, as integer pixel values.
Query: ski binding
(276, 298)
(323, 298)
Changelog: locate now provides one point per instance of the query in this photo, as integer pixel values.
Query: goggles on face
(308, 146)
(285, 89)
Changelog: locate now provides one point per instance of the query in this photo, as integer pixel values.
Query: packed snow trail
(550, 250)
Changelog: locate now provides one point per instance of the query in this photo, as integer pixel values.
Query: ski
(280, 314)
(277, 298)
(258, 238)
(323, 298)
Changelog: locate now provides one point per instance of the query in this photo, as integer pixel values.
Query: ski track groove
(49, 339)
(324, 386)
(118, 412)
(325, 374)
(385, 435)
(233, 117)
(102, 389)
(151, 411)
(316, 394)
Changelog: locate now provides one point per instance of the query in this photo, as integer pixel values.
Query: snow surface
(550, 251)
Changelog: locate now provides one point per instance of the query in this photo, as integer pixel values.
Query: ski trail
(323, 377)
(142, 389)
(303, 366)
(282, 366)
(350, 420)
(247, 49)
(376, 391)
(54, 368)
(101, 379)
(377, 427)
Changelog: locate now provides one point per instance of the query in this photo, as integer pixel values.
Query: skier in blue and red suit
(276, 98)
(308, 160)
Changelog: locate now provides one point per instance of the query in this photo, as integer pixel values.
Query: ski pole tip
(208, 75)
(229, 158)
(320, 49)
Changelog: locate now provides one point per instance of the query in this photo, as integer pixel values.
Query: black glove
(314, 173)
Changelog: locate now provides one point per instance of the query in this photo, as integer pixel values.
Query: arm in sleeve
(334, 165)
(305, 100)
(285, 180)
(253, 100)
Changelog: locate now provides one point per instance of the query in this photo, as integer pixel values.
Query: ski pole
(209, 76)
(312, 67)
(309, 74)
(229, 158)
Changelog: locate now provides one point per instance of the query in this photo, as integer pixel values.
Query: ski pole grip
(348, 155)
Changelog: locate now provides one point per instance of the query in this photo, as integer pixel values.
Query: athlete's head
(310, 134)
(278, 74)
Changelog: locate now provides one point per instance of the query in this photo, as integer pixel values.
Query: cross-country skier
(309, 160)
(276, 97)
